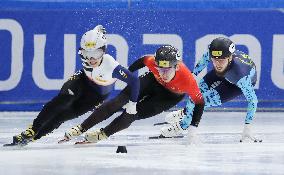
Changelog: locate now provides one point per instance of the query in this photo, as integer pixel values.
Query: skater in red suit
(167, 83)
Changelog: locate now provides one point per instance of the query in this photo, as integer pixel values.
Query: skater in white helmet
(85, 90)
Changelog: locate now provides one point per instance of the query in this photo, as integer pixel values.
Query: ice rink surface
(219, 152)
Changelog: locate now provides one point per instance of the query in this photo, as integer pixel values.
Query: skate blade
(13, 145)
(255, 141)
(64, 140)
(162, 123)
(163, 137)
(83, 142)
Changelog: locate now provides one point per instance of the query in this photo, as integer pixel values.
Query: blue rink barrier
(35, 44)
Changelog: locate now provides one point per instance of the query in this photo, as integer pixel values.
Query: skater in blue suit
(233, 74)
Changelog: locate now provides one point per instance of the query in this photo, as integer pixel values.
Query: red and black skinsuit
(155, 96)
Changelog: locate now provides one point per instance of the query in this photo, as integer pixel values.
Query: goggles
(96, 54)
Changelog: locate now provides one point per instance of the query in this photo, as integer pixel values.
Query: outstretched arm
(248, 91)
(194, 105)
(138, 64)
(203, 62)
(130, 78)
(247, 88)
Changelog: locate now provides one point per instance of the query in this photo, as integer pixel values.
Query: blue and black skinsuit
(239, 78)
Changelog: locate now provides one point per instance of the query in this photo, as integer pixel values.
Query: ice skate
(174, 116)
(74, 132)
(94, 137)
(22, 139)
(172, 130)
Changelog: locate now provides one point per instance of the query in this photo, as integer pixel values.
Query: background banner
(39, 47)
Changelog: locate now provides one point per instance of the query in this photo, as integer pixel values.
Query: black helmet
(221, 47)
(167, 56)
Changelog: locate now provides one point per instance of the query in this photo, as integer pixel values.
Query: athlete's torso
(183, 82)
(240, 67)
(102, 75)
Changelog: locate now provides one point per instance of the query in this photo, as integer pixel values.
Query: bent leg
(148, 107)
(147, 84)
(106, 110)
(76, 97)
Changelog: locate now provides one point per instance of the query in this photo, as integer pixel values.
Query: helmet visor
(96, 54)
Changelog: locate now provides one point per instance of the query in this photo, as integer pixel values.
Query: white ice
(219, 152)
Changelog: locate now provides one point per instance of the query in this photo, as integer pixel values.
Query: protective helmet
(167, 56)
(221, 47)
(93, 44)
(94, 39)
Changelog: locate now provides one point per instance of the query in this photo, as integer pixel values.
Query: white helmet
(94, 39)
(93, 44)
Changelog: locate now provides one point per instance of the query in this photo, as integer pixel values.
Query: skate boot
(172, 130)
(24, 138)
(94, 137)
(174, 116)
(72, 133)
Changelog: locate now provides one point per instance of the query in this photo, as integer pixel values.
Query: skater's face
(220, 65)
(94, 58)
(167, 74)
(94, 62)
